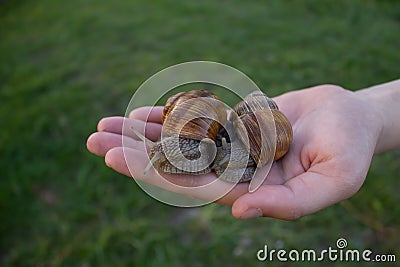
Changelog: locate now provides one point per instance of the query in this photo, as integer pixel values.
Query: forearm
(385, 99)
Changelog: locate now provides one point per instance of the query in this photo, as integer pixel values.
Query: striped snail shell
(258, 115)
(194, 115)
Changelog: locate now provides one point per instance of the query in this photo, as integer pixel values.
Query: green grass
(66, 64)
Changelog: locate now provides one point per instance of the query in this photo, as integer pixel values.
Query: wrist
(384, 101)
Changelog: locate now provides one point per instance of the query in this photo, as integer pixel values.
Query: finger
(148, 113)
(115, 159)
(300, 196)
(201, 187)
(111, 124)
(99, 143)
(121, 125)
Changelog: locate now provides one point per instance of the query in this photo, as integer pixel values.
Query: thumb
(300, 196)
(269, 201)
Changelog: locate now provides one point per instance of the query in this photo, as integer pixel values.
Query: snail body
(197, 137)
(189, 149)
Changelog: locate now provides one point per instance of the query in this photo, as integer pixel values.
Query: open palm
(335, 134)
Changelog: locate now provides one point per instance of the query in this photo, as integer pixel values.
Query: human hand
(335, 135)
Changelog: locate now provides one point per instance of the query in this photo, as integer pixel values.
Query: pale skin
(336, 134)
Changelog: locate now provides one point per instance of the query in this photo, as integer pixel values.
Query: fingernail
(251, 213)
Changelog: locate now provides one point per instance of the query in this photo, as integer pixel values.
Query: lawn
(66, 64)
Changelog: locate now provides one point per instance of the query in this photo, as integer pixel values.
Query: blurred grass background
(66, 64)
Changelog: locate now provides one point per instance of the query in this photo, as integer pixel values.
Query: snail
(254, 119)
(191, 122)
(197, 136)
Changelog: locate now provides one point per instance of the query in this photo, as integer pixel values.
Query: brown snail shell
(284, 134)
(256, 112)
(254, 101)
(175, 99)
(201, 118)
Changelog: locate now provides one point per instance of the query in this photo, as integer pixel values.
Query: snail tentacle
(156, 156)
(143, 138)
